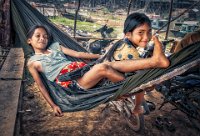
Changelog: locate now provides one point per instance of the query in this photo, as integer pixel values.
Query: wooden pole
(75, 19)
(129, 6)
(43, 10)
(54, 12)
(169, 19)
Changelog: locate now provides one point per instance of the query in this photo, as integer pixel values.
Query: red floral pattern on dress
(71, 67)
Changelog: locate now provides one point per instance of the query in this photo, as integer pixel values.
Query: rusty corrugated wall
(5, 26)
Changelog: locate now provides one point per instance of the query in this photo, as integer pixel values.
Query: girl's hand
(57, 111)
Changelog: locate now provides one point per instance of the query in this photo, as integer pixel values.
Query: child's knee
(102, 68)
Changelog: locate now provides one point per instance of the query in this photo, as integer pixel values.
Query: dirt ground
(38, 120)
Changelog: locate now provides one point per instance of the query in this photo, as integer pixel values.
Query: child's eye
(140, 33)
(38, 36)
(45, 37)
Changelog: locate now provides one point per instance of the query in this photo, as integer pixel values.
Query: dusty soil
(38, 120)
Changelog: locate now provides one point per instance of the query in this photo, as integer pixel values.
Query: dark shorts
(74, 85)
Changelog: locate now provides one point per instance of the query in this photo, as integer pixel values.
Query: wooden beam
(13, 65)
(169, 19)
(10, 86)
(75, 19)
(129, 6)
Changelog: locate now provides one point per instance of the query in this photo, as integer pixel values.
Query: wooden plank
(11, 76)
(16, 52)
(9, 96)
(14, 65)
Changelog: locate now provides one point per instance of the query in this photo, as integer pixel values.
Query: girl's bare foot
(158, 56)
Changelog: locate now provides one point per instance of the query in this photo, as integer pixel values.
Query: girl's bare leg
(139, 98)
(98, 72)
(158, 60)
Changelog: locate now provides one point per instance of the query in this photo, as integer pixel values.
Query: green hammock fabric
(24, 16)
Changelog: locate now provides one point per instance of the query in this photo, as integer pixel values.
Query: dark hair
(33, 28)
(134, 20)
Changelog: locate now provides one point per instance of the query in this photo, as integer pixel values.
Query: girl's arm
(77, 54)
(34, 69)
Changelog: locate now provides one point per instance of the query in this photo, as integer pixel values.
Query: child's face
(140, 36)
(39, 39)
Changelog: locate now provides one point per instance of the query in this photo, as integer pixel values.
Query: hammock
(24, 16)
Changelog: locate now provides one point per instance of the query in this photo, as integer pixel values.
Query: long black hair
(134, 20)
